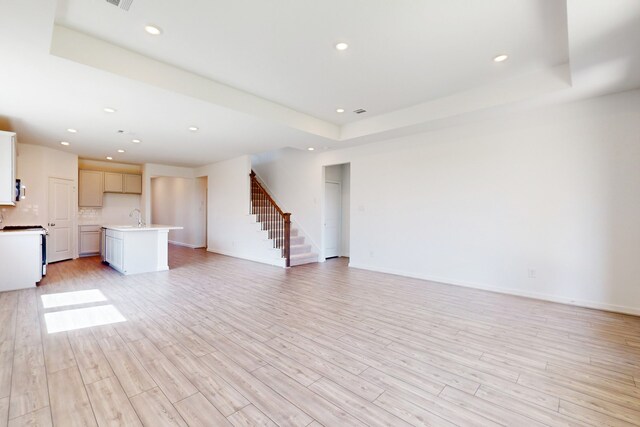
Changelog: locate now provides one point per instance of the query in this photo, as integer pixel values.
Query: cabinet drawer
(115, 234)
(89, 228)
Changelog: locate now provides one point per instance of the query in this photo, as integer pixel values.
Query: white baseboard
(187, 245)
(274, 262)
(508, 291)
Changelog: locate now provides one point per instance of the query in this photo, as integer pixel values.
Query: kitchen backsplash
(89, 215)
(115, 210)
(23, 214)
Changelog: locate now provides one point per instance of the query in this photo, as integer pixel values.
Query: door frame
(74, 213)
(324, 219)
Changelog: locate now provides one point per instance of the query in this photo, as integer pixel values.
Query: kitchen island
(132, 250)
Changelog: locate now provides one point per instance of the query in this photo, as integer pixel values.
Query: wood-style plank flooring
(219, 341)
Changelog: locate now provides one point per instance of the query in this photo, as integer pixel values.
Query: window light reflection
(69, 320)
(72, 298)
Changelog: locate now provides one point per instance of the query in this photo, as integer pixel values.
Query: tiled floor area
(219, 341)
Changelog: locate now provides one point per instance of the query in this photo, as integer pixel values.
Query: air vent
(122, 4)
(125, 4)
(360, 111)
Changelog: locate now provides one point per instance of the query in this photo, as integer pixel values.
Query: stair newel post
(252, 177)
(280, 234)
(287, 238)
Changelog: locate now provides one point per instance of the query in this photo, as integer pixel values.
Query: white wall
(151, 170)
(346, 209)
(555, 191)
(116, 208)
(231, 230)
(180, 201)
(35, 165)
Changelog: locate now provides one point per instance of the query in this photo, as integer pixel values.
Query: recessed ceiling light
(64, 143)
(501, 58)
(153, 30)
(340, 110)
(109, 110)
(120, 151)
(109, 158)
(72, 130)
(342, 46)
(136, 141)
(193, 128)
(310, 148)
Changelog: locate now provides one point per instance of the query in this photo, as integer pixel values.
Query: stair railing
(272, 219)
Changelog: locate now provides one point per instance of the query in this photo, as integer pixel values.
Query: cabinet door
(91, 189)
(7, 168)
(89, 242)
(112, 182)
(133, 184)
(118, 254)
(108, 249)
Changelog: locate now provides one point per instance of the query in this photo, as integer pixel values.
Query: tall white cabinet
(7, 168)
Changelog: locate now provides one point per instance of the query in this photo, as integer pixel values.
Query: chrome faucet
(139, 216)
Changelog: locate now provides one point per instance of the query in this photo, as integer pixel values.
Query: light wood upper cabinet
(113, 182)
(91, 188)
(122, 183)
(7, 168)
(133, 184)
(94, 183)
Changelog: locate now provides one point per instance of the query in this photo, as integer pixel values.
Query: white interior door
(61, 203)
(332, 218)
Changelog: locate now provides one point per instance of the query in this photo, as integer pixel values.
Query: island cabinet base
(139, 251)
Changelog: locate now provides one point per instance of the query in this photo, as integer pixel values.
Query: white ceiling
(402, 52)
(256, 75)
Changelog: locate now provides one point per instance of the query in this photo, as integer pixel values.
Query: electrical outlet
(531, 273)
(371, 254)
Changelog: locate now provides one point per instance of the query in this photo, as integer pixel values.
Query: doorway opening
(183, 202)
(337, 208)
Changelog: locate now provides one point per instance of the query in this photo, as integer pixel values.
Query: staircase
(300, 252)
(277, 223)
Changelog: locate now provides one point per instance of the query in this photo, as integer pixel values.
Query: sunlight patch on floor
(69, 320)
(72, 298)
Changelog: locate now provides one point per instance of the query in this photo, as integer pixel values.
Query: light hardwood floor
(219, 341)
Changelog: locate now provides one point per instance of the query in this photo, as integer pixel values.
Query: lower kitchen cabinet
(89, 236)
(114, 250)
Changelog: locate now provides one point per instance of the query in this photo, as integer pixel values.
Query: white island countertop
(150, 227)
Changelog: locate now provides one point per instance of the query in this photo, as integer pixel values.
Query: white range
(131, 249)
(22, 260)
